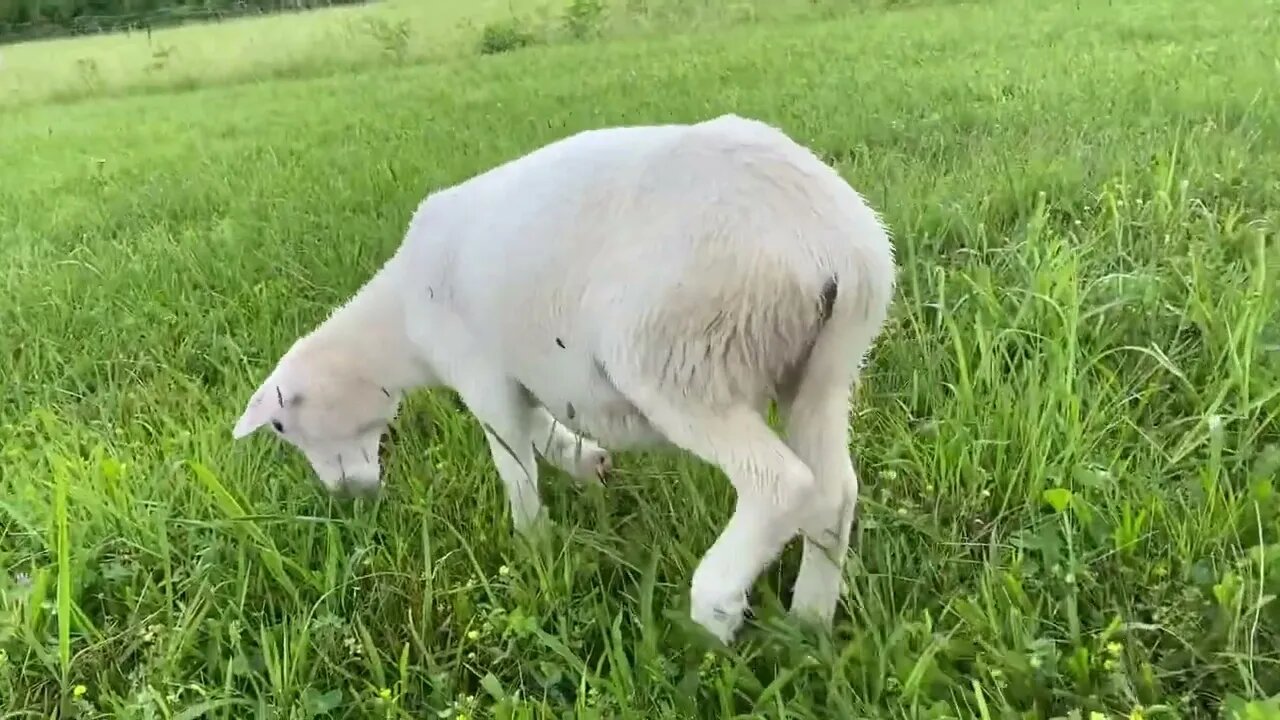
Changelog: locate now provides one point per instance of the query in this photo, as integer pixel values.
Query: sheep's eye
(276, 424)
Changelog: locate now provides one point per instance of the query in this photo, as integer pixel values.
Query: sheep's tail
(788, 382)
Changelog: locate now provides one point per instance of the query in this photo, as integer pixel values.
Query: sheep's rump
(724, 347)
(737, 248)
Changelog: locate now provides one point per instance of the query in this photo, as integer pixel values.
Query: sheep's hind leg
(818, 431)
(772, 486)
(817, 428)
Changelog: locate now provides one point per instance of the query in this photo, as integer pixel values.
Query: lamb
(627, 287)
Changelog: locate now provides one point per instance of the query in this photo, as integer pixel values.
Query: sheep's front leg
(509, 419)
(569, 451)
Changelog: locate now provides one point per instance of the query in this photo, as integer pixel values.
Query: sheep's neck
(370, 331)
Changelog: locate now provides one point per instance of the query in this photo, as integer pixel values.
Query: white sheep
(643, 286)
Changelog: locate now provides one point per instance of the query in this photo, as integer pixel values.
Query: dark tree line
(20, 19)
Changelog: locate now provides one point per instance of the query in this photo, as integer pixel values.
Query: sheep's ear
(256, 414)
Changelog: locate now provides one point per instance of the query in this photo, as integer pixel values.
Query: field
(1068, 438)
(346, 38)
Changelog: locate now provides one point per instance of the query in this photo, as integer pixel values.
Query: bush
(393, 37)
(584, 18)
(503, 36)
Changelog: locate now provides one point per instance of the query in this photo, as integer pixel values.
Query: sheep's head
(333, 416)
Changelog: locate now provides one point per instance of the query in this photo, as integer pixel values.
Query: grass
(349, 38)
(1069, 438)
(245, 49)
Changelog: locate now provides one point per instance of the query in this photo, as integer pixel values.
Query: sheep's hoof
(604, 467)
(721, 619)
(594, 465)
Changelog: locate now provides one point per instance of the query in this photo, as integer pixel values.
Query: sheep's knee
(794, 491)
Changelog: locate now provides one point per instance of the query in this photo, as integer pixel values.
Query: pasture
(1068, 438)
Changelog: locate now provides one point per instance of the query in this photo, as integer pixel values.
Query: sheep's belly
(580, 396)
